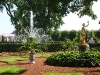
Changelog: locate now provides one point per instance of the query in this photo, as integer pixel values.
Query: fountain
(33, 32)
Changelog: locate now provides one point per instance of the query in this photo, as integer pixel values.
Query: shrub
(41, 47)
(50, 47)
(10, 47)
(56, 46)
(69, 58)
(94, 45)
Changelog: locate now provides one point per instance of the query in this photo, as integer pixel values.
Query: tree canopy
(48, 14)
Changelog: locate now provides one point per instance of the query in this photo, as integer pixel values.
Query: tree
(64, 35)
(47, 13)
(56, 35)
(72, 34)
(97, 33)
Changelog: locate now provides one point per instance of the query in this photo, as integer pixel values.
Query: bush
(41, 47)
(56, 46)
(94, 45)
(50, 47)
(10, 47)
(85, 59)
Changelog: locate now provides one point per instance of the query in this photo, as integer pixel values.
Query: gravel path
(40, 68)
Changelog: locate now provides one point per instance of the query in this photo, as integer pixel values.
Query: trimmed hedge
(94, 45)
(51, 47)
(46, 47)
(60, 45)
(74, 59)
(10, 47)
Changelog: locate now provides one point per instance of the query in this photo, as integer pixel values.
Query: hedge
(10, 47)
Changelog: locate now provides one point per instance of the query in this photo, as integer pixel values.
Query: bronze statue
(83, 33)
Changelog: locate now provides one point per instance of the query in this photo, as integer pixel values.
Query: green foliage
(51, 47)
(2, 39)
(11, 70)
(43, 55)
(72, 34)
(97, 33)
(31, 42)
(95, 46)
(64, 35)
(29, 45)
(57, 46)
(71, 45)
(69, 58)
(56, 35)
(48, 13)
(10, 47)
(42, 47)
(51, 73)
(90, 34)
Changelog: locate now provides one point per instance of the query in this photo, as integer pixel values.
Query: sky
(5, 25)
(72, 21)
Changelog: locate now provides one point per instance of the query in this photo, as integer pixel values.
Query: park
(39, 48)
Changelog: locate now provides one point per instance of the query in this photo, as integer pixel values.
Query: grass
(42, 55)
(52, 73)
(37, 55)
(11, 70)
(11, 60)
(25, 54)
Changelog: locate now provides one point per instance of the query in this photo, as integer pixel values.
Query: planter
(32, 57)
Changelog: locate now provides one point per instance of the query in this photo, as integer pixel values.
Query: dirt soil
(39, 68)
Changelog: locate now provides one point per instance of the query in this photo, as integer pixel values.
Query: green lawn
(11, 60)
(51, 73)
(42, 55)
(11, 70)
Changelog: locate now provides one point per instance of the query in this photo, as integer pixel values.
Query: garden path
(40, 68)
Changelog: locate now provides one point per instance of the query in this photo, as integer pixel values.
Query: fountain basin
(83, 47)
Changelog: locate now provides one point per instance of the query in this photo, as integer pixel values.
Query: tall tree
(64, 35)
(97, 33)
(47, 13)
(72, 34)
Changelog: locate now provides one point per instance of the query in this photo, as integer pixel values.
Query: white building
(7, 37)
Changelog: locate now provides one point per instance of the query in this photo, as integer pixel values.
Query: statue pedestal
(32, 57)
(32, 62)
(83, 47)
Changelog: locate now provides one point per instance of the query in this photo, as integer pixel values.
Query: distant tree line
(74, 35)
